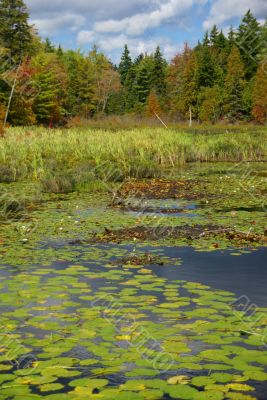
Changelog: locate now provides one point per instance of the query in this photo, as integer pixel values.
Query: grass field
(62, 159)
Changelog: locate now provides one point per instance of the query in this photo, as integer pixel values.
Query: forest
(223, 78)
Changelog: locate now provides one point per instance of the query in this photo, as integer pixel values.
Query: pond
(158, 295)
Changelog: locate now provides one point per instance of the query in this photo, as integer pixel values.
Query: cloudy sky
(141, 23)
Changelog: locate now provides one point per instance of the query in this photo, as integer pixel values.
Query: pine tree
(259, 106)
(248, 40)
(125, 64)
(234, 86)
(159, 73)
(15, 32)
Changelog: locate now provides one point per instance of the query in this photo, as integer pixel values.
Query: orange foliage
(259, 110)
(153, 106)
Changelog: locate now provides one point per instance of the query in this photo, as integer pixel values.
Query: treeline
(222, 78)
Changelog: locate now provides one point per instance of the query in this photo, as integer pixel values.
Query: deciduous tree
(259, 107)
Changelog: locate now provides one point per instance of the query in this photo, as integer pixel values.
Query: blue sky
(142, 24)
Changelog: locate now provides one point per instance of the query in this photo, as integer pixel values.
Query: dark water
(243, 275)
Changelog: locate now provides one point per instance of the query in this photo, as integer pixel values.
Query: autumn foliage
(259, 110)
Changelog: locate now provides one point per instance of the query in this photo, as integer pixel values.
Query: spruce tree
(159, 73)
(234, 86)
(125, 64)
(15, 31)
(231, 40)
(143, 82)
(206, 40)
(208, 69)
(139, 59)
(248, 40)
(214, 33)
(130, 97)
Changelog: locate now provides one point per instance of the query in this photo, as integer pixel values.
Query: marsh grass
(66, 159)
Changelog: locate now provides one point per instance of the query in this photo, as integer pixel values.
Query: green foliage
(234, 86)
(80, 90)
(50, 81)
(259, 95)
(158, 78)
(125, 64)
(250, 42)
(211, 81)
(210, 104)
(15, 32)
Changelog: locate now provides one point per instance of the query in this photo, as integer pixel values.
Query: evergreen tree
(234, 86)
(206, 40)
(189, 85)
(263, 40)
(15, 32)
(60, 51)
(231, 39)
(80, 84)
(139, 59)
(159, 73)
(50, 79)
(208, 69)
(214, 34)
(221, 41)
(48, 46)
(130, 97)
(248, 40)
(125, 64)
(143, 82)
(259, 106)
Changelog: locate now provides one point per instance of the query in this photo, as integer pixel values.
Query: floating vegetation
(96, 333)
(90, 305)
(140, 259)
(161, 189)
(185, 232)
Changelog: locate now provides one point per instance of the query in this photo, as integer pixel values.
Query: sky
(142, 24)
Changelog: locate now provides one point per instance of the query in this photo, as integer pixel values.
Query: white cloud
(85, 37)
(223, 11)
(48, 26)
(114, 45)
(139, 23)
(92, 9)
